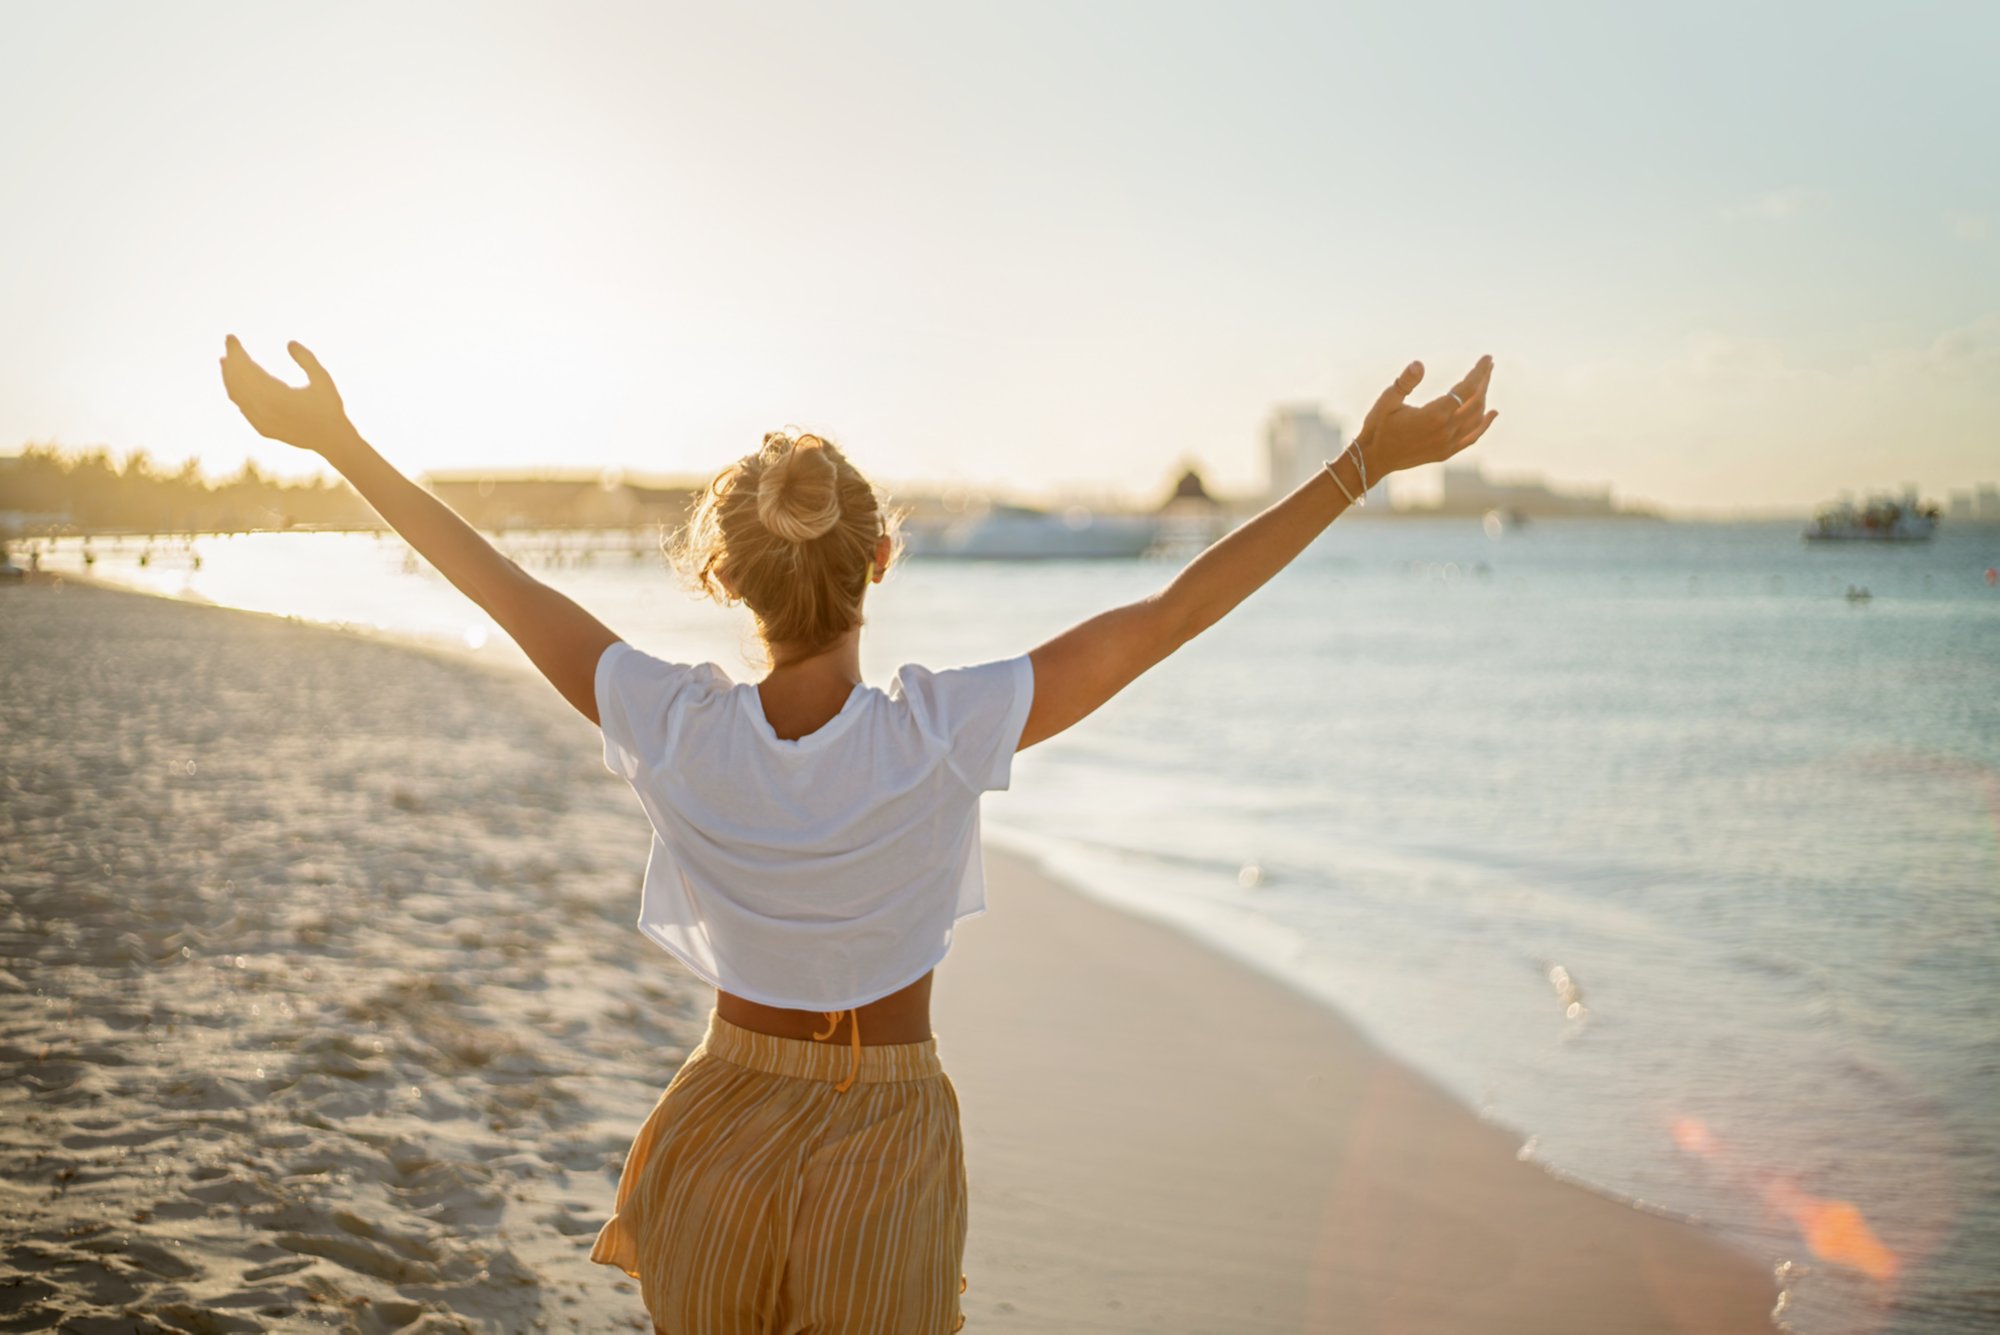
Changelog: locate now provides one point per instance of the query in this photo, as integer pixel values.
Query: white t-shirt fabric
(821, 873)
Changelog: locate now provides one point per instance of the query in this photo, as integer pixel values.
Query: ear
(883, 550)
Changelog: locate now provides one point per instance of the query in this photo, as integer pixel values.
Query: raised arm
(562, 639)
(1092, 661)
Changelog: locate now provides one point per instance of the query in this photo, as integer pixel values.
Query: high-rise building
(1987, 504)
(1958, 504)
(1298, 440)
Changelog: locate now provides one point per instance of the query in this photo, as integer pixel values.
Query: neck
(839, 662)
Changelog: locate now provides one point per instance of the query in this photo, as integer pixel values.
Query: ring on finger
(1454, 398)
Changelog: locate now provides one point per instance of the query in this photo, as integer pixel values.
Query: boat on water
(1881, 519)
(1003, 532)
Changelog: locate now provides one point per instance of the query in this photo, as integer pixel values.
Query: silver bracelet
(1352, 499)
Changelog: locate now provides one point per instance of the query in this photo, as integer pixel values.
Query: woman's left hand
(311, 418)
(1396, 435)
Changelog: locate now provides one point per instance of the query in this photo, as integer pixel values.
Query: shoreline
(1298, 988)
(1110, 1063)
(1291, 1175)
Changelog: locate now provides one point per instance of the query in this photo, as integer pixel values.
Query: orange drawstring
(854, 1061)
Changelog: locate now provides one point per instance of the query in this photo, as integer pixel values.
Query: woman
(815, 840)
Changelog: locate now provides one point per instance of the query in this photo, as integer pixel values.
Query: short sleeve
(635, 695)
(980, 710)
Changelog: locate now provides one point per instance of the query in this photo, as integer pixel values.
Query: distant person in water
(815, 839)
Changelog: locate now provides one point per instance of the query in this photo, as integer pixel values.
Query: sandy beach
(324, 1009)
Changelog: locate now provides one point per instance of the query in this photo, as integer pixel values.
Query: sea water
(1645, 840)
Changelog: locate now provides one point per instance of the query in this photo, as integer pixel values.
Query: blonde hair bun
(790, 529)
(798, 495)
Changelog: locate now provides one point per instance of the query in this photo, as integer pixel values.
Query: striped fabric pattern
(758, 1200)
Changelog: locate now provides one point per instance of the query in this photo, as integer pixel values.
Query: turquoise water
(1643, 839)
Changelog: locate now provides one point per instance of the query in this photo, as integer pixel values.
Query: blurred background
(1730, 260)
(1636, 775)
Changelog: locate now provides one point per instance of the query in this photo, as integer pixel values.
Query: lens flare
(1834, 1231)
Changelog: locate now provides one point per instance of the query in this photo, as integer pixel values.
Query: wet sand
(1160, 1139)
(321, 1007)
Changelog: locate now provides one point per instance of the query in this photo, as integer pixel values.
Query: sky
(1729, 258)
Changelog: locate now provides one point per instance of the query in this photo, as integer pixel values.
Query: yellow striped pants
(760, 1199)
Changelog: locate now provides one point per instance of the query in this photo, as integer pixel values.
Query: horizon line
(612, 475)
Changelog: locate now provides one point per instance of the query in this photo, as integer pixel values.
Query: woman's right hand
(310, 417)
(1396, 435)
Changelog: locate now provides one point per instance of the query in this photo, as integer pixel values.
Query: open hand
(1396, 435)
(311, 418)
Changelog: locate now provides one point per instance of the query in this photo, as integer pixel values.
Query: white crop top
(821, 873)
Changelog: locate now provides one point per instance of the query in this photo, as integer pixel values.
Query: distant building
(494, 500)
(1298, 440)
(1987, 505)
(1958, 504)
(1190, 494)
(15, 522)
(1467, 490)
(1191, 517)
